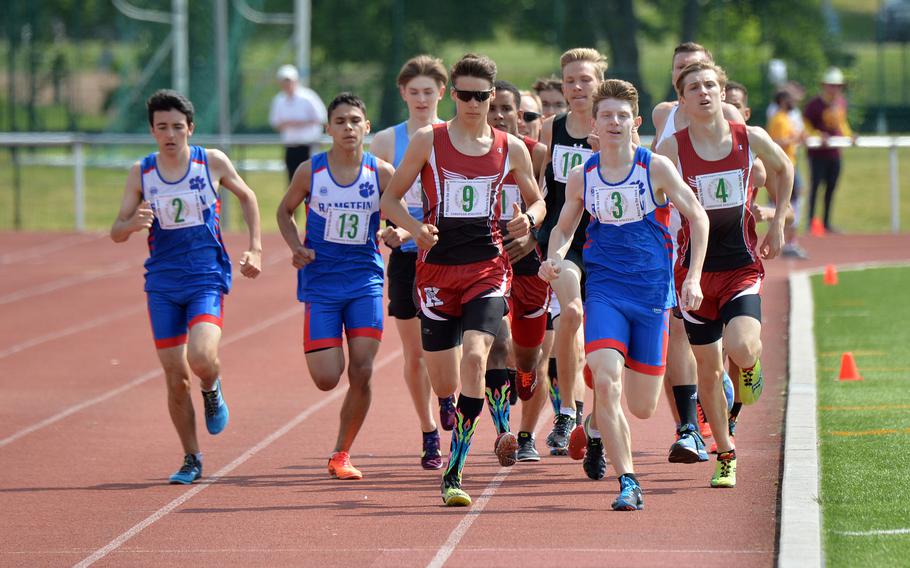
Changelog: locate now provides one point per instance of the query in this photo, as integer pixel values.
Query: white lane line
(94, 323)
(73, 280)
(55, 245)
(35, 341)
(243, 458)
(141, 379)
(873, 533)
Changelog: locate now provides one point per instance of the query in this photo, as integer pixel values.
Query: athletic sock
(685, 397)
(513, 392)
(568, 411)
(497, 391)
(630, 476)
(554, 385)
(734, 412)
(466, 412)
(214, 384)
(433, 434)
(579, 412)
(593, 432)
(198, 457)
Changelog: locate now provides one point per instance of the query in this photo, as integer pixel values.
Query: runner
(462, 275)
(566, 136)
(422, 83)
(530, 115)
(341, 189)
(552, 100)
(715, 157)
(188, 271)
(629, 275)
(529, 298)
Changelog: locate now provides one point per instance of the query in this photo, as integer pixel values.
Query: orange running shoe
(341, 468)
(526, 383)
(589, 377)
(578, 441)
(703, 426)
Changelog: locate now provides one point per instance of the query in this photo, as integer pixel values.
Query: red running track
(86, 443)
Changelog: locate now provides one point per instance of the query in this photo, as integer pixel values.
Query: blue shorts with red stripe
(639, 332)
(173, 313)
(323, 321)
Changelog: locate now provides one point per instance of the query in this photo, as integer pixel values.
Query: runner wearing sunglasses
(530, 119)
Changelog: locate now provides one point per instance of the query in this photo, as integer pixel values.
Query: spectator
(826, 116)
(789, 134)
(299, 115)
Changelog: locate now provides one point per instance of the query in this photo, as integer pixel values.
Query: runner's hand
(521, 247)
(395, 237)
(427, 237)
(594, 142)
(142, 218)
(549, 270)
(773, 241)
(251, 263)
(690, 295)
(520, 224)
(303, 256)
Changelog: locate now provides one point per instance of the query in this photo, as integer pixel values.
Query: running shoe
(506, 449)
(578, 440)
(527, 451)
(431, 456)
(447, 412)
(751, 383)
(525, 383)
(558, 440)
(455, 496)
(703, 426)
(725, 471)
(728, 391)
(216, 410)
(689, 446)
(630, 497)
(794, 251)
(341, 468)
(595, 463)
(190, 471)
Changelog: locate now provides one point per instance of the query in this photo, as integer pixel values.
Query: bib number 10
(569, 161)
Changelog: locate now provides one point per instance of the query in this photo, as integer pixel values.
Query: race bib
(467, 198)
(721, 190)
(346, 227)
(413, 197)
(179, 210)
(510, 195)
(567, 157)
(617, 205)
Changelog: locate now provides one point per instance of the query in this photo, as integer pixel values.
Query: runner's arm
(522, 171)
(409, 168)
(227, 176)
(780, 184)
(135, 213)
(296, 194)
(569, 217)
(659, 119)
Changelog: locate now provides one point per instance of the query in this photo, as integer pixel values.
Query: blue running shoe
(689, 448)
(189, 472)
(728, 391)
(630, 497)
(216, 410)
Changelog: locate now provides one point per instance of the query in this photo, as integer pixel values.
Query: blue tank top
(341, 226)
(628, 253)
(413, 199)
(185, 246)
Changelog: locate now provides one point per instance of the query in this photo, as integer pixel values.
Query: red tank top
(462, 198)
(724, 189)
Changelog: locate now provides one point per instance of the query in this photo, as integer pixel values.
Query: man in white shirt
(299, 115)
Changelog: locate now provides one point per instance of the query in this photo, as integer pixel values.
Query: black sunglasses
(479, 96)
(529, 116)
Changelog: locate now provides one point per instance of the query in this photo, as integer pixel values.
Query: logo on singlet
(432, 299)
(367, 189)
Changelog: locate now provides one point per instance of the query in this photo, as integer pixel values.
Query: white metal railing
(78, 161)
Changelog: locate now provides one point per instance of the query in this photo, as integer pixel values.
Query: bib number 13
(347, 226)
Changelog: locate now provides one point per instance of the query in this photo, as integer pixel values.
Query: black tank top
(566, 152)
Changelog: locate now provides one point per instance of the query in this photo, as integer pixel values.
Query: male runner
(462, 274)
(628, 263)
(566, 136)
(715, 157)
(530, 117)
(422, 83)
(174, 194)
(339, 268)
(552, 100)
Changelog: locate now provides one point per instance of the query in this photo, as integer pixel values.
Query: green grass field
(864, 426)
(862, 203)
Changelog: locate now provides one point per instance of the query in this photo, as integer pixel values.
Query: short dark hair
(346, 98)
(167, 99)
(501, 85)
(619, 90)
(695, 68)
(692, 47)
(473, 65)
(423, 66)
(734, 86)
(551, 83)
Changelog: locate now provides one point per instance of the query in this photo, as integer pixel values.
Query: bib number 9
(467, 198)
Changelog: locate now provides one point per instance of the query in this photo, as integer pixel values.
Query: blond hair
(592, 56)
(423, 66)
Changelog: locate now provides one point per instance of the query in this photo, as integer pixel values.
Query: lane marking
(56, 245)
(409, 550)
(66, 282)
(141, 379)
(864, 408)
(879, 432)
(873, 533)
(240, 460)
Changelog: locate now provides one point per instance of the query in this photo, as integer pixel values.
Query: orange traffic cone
(848, 370)
(830, 278)
(816, 229)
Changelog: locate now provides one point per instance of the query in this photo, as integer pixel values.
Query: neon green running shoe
(751, 383)
(455, 496)
(725, 471)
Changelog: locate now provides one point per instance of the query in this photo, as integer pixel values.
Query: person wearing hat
(299, 115)
(826, 116)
